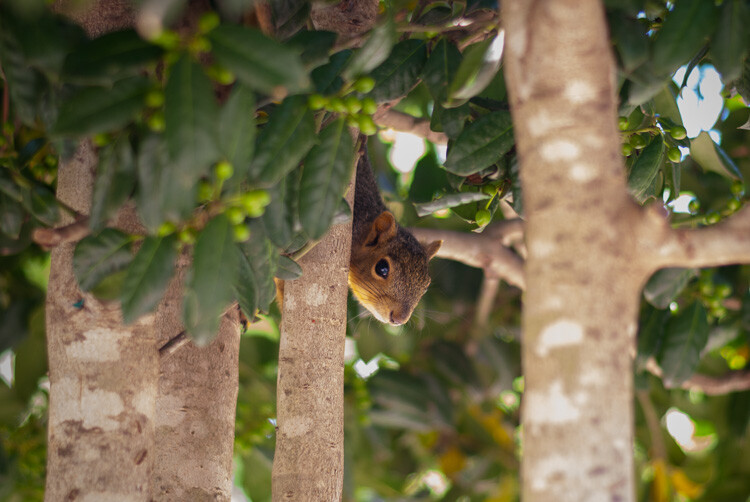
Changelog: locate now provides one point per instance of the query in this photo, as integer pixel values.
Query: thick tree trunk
(309, 460)
(583, 278)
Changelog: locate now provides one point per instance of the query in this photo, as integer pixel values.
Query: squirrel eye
(382, 268)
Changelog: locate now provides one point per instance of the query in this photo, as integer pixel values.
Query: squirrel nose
(398, 318)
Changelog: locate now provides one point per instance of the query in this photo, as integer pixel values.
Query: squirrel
(388, 270)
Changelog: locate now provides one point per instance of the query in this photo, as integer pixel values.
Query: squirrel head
(388, 272)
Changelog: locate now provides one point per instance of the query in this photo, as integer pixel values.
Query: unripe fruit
(622, 123)
(489, 189)
(241, 233)
(254, 203)
(155, 98)
(627, 149)
(713, 217)
(674, 154)
(208, 22)
(353, 104)
(738, 188)
(187, 235)
(235, 215)
(733, 205)
(637, 141)
(316, 101)
(337, 105)
(369, 106)
(694, 206)
(367, 125)
(205, 191)
(678, 132)
(483, 217)
(224, 170)
(166, 228)
(156, 122)
(364, 84)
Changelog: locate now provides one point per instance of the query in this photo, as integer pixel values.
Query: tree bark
(309, 459)
(582, 276)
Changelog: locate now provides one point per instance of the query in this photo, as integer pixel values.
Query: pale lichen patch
(110, 496)
(560, 149)
(560, 333)
(579, 91)
(316, 295)
(92, 408)
(100, 344)
(582, 173)
(553, 406)
(296, 426)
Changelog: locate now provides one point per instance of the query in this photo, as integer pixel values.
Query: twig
(487, 295)
(406, 123)
(732, 381)
(173, 345)
(52, 237)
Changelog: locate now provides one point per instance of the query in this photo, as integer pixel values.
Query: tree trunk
(583, 281)
(309, 459)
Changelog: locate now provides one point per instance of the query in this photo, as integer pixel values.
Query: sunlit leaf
(399, 73)
(449, 201)
(646, 167)
(481, 144)
(373, 52)
(478, 67)
(685, 30)
(147, 276)
(712, 157)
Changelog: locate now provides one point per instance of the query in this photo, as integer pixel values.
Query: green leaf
(441, 68)
(665, 104)
(209, 287)
(148, 276)
(327, 78)
(284, 141)
(481, 144)
(645, 169)
(313, 46)
(30, 358)
(237, 129)
(253, 284)
(288, 269)
(111, 57)
(190, 114)
(41, 202)
(685, 337)
(114, 182)
(11, 216)
(650, 335)
(630, 38)
(100, 255)
(731, 40)
(325, 175)
(685, 30)
(278, 219)
(479, 66)
(29, 150)
(400, 72)
(263, 64)
(101, 109)
(374, 51)
(711, 157)
(256, 479)
(664, 286)
(449, 201)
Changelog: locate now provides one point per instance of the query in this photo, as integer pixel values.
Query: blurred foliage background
(433, 406)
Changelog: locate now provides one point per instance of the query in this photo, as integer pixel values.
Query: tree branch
(732, 381)
(406, 123)
(485, 251)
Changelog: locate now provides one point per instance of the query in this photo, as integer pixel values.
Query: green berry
(208, 22)
(337, 105)
(694, 206)
(622, 123)
(156, 122)
(200, 45)
(489, 189)
(155, 98)
(316, 101)
(166, 228)
(353, 104)
(224, 170)
(713, 217)
(483, 217)
(627, 149)
(235, 215)
(241, 233)
(678, 132)
(674, 154)
(738, 188)
(367, 125)
(167, 39)
(637, 141)
(733, 205)
(364, 84)
(723, 290)
(255, 202)
(187, 235)
(369, 106)
(205, 191)
(101, 139)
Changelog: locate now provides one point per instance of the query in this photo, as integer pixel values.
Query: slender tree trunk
(583, 281)
(309, 460)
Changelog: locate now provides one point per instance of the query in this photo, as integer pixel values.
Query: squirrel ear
(432, 248)
(382, 230)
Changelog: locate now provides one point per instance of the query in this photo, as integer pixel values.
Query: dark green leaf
(190, 114)
(256, 480)
(147, 276)
(209, 287)
(665, 104)
(41, 202)
(112, 56)
(99, 109)
(289, 16)
(313, 46)
(288, 269)
(31, 358)
(685, 30)
(114, 182)
(237, 129)
(284, 141)
(645, 169)
(374, 51)
(731, 40)
(400, 72)
(29, 150)
(325, 175)
(686, 335)
(440, 69)
(630, 39)
(97, 256)
(449, 201)
(650, 336)
(479, 66)
(278, 219)
(262, 63)
(429, 179)
(327, 78)
(11, 216)
(481, 144)
(253, 284)
(711, 157)
(664, 286)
